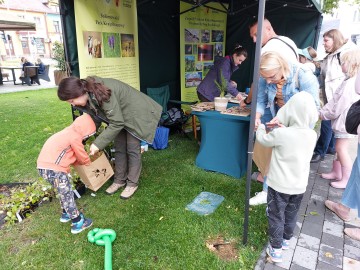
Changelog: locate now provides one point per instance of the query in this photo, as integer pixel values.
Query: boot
(345, 178)
(335, 173)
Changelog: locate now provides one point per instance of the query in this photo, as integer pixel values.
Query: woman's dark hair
(74, 87)
(239, 50)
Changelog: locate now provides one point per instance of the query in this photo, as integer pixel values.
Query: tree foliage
(331, 5)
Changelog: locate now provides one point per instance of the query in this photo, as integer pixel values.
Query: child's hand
(93, 149)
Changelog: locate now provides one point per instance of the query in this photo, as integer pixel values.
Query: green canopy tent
(158, 30)
(300, 20)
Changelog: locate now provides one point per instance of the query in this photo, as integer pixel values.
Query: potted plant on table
(62, 68)
(221, 101)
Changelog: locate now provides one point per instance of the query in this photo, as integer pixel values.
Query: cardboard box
(97, 173)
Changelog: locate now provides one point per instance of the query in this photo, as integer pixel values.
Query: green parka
(127, 108)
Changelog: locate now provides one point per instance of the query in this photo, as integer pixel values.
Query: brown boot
(345, 178)
(340, 210)
(335, 173)
(353, 233)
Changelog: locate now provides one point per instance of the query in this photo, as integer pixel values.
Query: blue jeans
(326, 140)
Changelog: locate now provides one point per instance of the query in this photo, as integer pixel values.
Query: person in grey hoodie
(292, 145)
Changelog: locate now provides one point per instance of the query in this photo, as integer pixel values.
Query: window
(37, 20)
(57, 26)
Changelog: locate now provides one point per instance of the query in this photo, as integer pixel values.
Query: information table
(224, 142)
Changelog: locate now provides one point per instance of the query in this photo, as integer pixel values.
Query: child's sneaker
(64, 218)
(285, 244)
(274, 253)
(81, 225)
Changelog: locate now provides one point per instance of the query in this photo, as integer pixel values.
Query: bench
(30, 75)
(45, 76)
(5, 75)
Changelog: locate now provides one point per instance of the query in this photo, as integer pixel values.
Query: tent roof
(9, 22)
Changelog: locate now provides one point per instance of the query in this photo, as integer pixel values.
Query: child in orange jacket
(61, 150)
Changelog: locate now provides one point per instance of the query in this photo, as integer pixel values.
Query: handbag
(352, 120)
(161, 138)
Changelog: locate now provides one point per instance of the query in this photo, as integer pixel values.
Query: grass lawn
(154, 230)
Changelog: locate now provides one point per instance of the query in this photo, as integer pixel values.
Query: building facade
(31, 44)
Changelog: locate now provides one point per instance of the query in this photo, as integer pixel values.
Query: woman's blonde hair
(271, 61)
(352, 61)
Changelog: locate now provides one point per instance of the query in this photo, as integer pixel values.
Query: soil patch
(224, 249)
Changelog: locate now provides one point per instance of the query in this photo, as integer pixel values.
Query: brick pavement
(319, 242)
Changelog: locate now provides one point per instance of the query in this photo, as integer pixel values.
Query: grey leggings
(281, 211)
(61, 182)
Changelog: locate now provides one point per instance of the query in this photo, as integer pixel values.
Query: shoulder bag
(353, 118)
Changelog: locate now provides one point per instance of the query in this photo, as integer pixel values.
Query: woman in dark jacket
(131, 116)
(208, 90)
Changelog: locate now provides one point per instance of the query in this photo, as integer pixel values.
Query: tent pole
(318, 30)
(261, 13)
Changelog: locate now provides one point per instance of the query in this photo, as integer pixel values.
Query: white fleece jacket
(292, 145)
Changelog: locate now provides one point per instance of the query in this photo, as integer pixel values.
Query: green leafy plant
(23, 197)
(222, 86)
(58, 54)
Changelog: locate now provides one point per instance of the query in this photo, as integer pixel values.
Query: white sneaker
(259, 198)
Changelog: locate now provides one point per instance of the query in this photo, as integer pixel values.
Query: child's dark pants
(61, 182)
(282, 212)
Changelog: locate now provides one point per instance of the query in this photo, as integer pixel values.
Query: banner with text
(107, 39)
(202, 39)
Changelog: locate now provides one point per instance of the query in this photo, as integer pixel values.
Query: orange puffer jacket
(65, 147)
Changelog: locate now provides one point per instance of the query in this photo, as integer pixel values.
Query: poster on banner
(107, 39)
(202, 39)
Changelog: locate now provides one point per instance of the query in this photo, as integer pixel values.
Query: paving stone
(305, 257)
(320, 192)
(318, 198)
(312, 229)
(351, 242)
(271, 266)
(309, 242)
(332, 217)
(331, 255)
(351, 264)
(297, 267)
(317, 206)
(335, 193)
(297, 229)
(334, 229)
(293, 242)
(313, 217)
(332, 240)
(352, 252)
(287, 258)
(326, 266)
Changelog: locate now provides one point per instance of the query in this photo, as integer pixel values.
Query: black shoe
(331, 152)
(316, 158)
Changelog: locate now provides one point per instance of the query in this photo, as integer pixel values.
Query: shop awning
(10, 22)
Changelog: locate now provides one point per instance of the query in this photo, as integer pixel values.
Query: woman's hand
(239, 97)
(234, 84)
(257, 123)
(93, 149)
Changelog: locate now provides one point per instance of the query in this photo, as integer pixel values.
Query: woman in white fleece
(336, 110)
(292, 148)
(351, 195)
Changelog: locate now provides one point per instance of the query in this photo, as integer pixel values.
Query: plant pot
(59, 75)
(220, 103)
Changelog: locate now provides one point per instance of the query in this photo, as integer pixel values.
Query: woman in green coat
(131, 117)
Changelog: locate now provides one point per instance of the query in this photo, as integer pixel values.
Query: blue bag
(161, 138)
